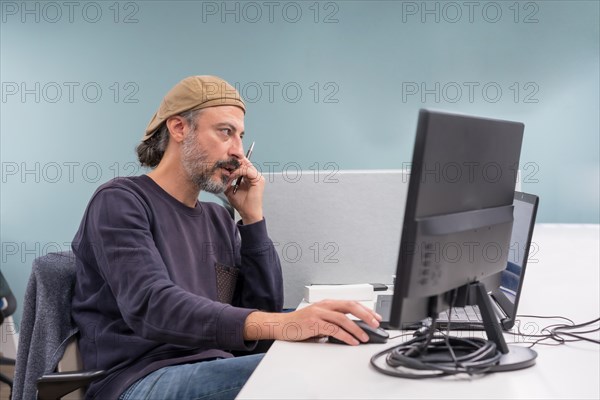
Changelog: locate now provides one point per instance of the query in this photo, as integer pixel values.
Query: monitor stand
(513, 357)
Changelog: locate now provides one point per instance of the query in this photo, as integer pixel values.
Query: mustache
(232, 163)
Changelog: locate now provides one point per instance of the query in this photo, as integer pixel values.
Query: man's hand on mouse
(325, 318)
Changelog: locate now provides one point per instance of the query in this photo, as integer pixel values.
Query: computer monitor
(506, 287)
(458, 219)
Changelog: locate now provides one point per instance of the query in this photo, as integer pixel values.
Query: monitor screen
(459, 211)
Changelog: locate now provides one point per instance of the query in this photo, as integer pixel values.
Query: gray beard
(200, 171)
(209, 185)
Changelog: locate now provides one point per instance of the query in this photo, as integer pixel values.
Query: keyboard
(468, 316)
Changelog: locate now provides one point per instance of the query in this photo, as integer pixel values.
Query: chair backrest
(8, 305)
(71, 361)
(9, 299)
(46, 326)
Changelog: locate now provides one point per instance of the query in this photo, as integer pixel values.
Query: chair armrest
(55, 385)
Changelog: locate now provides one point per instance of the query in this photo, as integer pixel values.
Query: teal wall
(328, 85)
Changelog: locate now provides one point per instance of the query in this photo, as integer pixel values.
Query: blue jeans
(207, 380)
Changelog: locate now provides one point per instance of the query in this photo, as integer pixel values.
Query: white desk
(564, 281)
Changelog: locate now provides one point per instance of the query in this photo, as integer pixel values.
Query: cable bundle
(435, 355)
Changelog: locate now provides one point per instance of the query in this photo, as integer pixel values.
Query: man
(156, 268)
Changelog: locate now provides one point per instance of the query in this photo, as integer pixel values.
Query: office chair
(48, 335)
(8, 305)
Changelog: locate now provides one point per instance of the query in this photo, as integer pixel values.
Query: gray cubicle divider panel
(340, 227)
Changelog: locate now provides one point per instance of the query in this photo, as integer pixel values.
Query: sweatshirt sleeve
(118, 242)
(261, 285)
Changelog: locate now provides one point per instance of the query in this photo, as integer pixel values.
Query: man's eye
(225, 131)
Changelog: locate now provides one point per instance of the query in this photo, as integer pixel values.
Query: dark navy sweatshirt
(146, 293)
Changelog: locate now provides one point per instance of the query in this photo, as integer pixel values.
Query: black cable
(452, 302)
(414, 361)
(554, 332)
(579, 338)
(545, 317)
(399, 336)
(583, 324)
(435, 355)
(560, 331)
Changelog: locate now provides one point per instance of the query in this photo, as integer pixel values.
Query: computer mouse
(376, 335)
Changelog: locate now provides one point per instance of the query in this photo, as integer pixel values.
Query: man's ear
(176, 126)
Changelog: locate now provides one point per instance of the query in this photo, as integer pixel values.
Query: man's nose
(237, 148)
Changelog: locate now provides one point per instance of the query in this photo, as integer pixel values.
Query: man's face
(212, 153)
